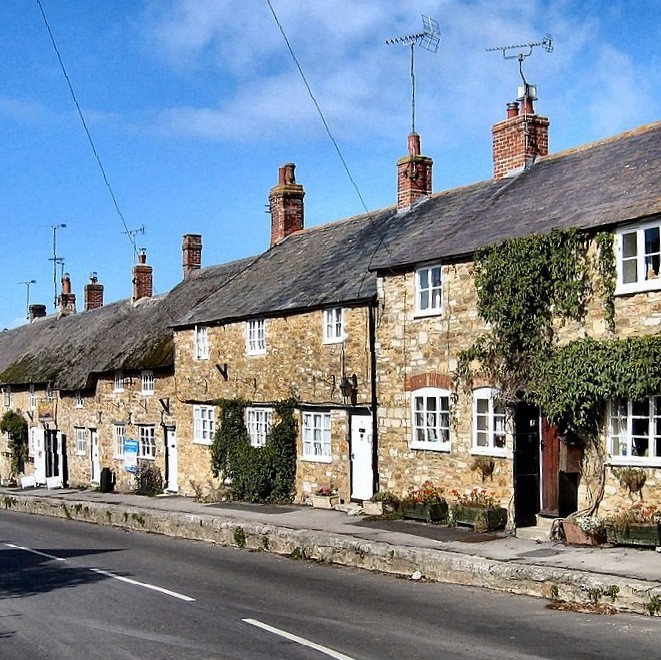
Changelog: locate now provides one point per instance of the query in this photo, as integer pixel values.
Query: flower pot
(574, 535)
(482, 519)
(436, 512)
(643, 535)
(324, 501)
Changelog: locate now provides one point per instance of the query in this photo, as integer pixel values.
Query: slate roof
(314, 268)
(68, 350)
(597, 185)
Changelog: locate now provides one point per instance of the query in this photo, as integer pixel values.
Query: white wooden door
(172, 458)
(39, 453)
(362, 475)
(95, 470)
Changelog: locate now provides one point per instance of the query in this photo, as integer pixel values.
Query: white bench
(53, 482)
(28, 482)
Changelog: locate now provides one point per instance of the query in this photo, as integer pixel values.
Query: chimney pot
(142, 277)
(192, 253)
(93, 293)
(67, 300)
(414, 174)
(286, 204)
(37, 312)
(512, 109)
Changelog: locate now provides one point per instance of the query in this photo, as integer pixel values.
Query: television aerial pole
(55, 259)
(28, 284)
(428, 39)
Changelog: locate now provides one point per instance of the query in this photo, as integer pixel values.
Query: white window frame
(641, 260)
(118, 383)
(317, 428)
(496, 423)
(32, 400)
(204, 424)
(79, 399)
(50, 394)
(201, 339)
(621, 428)
(334, 331)
(430, 419)
(119, 435)
(147, 382)
(258, 425)
(256, 336)
(147, 442)
(428, 293)
(81, 440)
(6, 395)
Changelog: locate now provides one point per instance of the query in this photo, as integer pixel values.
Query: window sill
(255, 353)
(438, 447)
(634, 461)
(422, 314)
(146, 458)
(638, 287)
(147, 393)
(333, 342)
(317, 459)
(489, 451)
(203, 443)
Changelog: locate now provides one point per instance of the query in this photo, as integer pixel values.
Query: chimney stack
(286, 204)
(521, 138)
(67, 300)
(413, 175)
(142, 277)
(192, 257)
(93, 293)
(37, 312)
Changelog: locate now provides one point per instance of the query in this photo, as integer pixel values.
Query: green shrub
(148, 479)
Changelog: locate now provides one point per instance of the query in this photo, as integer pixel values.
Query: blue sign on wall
(130, 455)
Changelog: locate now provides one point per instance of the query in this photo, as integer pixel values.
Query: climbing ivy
(605, 266)
(256, 474)
(16, 427)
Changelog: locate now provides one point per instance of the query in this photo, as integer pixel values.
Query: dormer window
(119, 381)
(147, 380)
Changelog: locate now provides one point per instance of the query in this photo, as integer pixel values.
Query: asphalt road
(79, 591)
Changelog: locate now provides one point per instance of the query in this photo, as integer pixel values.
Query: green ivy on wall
(257, 474)
(16, 427)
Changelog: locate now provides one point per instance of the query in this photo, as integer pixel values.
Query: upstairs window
(6, 396)
(79, 399)
(429, 290)
(204, 425)
(634, 431)
(256, 337)
(638, 258)
(489, 436)
(201, 343)
(32, 403)
(119, 381)
(147, 380)
(258, 423)
(333, 325)
(430, 419)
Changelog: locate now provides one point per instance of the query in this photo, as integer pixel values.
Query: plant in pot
(425, 503)
(478, 508)
(638, 524)
(584, 530)
(383, 502)
(325, 497)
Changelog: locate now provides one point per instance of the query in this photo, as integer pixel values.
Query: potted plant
(635, 525)
(325, 497)
(584, 530)
(382, 502)
(425, 503)
(479, 508)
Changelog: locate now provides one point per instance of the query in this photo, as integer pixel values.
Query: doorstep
(539, 532)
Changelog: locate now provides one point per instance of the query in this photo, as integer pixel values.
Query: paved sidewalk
(401, 547)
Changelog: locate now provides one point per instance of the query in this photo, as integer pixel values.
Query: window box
(481, 519)
(645, 535)
(436, 512)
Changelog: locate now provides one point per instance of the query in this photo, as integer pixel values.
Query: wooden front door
(526, 465)
(550, 470)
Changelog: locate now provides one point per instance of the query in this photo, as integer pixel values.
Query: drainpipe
(372, 310)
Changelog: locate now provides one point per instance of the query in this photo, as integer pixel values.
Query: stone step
(539, 532)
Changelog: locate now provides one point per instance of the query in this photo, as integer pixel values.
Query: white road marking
(299, 640)
(35, 552)
(145, 585)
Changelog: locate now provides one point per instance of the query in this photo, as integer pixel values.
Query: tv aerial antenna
(428, 39)
(524, 51)
(132, 233)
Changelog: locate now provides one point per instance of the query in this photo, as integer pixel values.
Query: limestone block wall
(297, 362)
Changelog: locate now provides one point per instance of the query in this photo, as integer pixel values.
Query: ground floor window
(81, 441)
(204, 424)
(430, 419)
(258, 423)
(317, 436)
(489, 436)
(634, 430)
(118, 433)
(146, 442)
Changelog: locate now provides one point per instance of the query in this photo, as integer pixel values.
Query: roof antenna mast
(428, 39)
(132, 233)
(526, 92)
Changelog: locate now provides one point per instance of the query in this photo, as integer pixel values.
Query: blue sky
(194, 104)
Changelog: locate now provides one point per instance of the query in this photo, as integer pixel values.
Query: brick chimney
(93, 293)
(520, 139)
(37, 312)
(67, 300)
(413, 175)
(192, 253)
(286, 204)
(142, 277)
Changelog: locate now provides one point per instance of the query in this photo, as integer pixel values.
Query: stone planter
(482, 519)
(372, 508)
(574, 535)
(324, 501)
(437, 512)
(642, 535)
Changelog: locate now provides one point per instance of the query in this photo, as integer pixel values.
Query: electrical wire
(87, 131)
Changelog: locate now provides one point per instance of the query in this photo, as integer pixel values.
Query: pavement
(408, 549)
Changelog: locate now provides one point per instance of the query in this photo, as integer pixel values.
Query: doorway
(526, 465)
(362, 474)
(95, 469)
(56, 455)
(171, 460)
